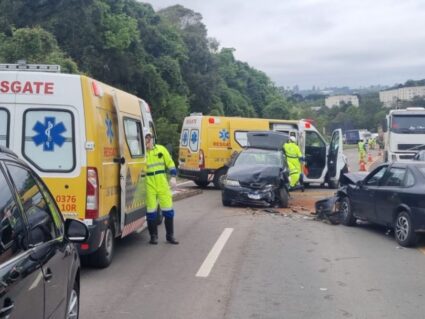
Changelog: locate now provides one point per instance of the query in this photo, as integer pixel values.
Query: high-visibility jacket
(293, 156)
(362, 149)
(159, 163)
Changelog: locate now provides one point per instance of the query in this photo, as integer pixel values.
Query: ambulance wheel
(102, 257)
(218, 178)
(202, 184)
(333, 184)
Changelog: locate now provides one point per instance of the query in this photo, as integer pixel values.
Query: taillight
(92, 191)
(97, 89)
(201, 159)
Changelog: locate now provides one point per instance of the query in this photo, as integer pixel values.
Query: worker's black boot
(169, 228)
(153, 231)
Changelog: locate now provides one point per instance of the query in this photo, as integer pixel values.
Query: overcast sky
(320, 42)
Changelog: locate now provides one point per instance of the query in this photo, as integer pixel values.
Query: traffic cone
(362, 166)
(369, 158)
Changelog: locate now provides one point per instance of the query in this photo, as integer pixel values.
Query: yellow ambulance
(207, 143)
(85, 139)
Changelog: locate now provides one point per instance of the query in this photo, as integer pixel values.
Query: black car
(258, 176)
(391, 195)
(39, 265)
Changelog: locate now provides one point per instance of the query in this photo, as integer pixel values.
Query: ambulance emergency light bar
(23, 66)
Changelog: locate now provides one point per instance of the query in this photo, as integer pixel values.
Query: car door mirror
(359, 184)
(76, 231)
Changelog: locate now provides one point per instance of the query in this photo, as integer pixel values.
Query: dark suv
(39, 265)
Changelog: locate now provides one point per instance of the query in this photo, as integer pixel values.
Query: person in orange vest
(158, 191)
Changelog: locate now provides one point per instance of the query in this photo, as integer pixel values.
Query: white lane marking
(212, 257)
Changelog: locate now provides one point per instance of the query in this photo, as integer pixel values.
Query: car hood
(258, 174)
(352, 178)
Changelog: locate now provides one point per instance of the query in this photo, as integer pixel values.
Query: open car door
(336, 159)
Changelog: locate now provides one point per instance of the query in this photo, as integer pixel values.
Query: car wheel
(202, 184)
(225, 201)
(73, 308)
(218, 178)
(283, 198)
(347, 217)
(403, 230)
(102, 258)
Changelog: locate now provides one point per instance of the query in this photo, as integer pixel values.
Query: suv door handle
(48, 275)
(7, 309)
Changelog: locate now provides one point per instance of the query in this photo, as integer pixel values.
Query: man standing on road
(158, 190)
(293, 157)
(362, 150)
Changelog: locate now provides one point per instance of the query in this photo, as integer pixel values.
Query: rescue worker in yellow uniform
(159, 162)
(362, 150)
(293, 158)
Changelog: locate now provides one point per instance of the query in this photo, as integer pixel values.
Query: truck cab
(405, 134)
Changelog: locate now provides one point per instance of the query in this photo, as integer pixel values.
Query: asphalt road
(270, 266)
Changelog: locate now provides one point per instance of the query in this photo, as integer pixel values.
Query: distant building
(390, 97)
(336, 100)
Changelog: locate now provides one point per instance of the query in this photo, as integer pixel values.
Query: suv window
(12, 230)
(49, 140)
(37, 211)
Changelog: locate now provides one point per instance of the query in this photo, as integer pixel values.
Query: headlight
(268, 187)
(231, 182)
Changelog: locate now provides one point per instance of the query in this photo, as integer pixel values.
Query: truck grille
(413, 147)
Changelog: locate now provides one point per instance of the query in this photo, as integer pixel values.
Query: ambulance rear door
(336, 158)
(132, 161)
(191, 156)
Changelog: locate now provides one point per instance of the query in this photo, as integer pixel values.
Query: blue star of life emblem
(185, 137)
(109, 131)
(49, 134)
(224, 135)
(194, 137)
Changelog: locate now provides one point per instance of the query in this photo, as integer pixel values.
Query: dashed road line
(212, 257)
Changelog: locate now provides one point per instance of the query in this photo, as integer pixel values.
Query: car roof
(258, 150)
(418, 164)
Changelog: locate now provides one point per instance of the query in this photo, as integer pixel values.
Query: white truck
(405, 134)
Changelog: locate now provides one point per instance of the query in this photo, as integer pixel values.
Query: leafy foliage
(164, 57)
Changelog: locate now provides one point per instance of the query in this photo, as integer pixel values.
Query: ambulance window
(49, 140)
(241, 138)
(4, 127)
(194, 140)
(313, 139)
(133, 134)
(184, 139)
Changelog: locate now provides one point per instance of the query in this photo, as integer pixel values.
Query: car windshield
(271, 158)
(413, 124)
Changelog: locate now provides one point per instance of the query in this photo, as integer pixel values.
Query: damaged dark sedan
(391, 195)
(257, 177)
